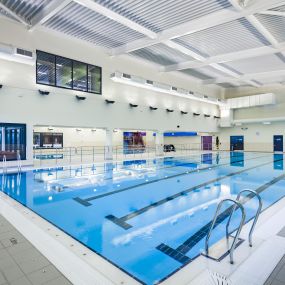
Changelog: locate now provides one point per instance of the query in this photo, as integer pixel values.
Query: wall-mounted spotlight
(50, 128)
(183, 113)
(42, 92)
(196, 114)
(93, 130)
(217, 117)
(207, 116)
(80, 98)
(78, 130)
(169, 110)
(109, 101)
(133, 105)
(152, 108)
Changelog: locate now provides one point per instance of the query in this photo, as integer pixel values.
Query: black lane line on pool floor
(180, 252)
(122, 220)
(86, 202)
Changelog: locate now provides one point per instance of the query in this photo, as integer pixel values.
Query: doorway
(237, 143)
(278, 143)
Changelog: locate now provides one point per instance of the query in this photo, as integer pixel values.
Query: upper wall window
(94, 79)
(63, 72)
(79, 76)
(45, 68)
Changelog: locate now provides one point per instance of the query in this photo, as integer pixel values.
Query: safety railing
(92, 154)
(256, 216)
(236, 204)
(4, 165)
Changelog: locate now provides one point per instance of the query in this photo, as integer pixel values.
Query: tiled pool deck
(21, 263)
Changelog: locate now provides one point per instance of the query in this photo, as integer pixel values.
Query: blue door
(237, 143)
(278, 143)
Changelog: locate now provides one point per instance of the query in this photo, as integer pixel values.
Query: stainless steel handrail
(4, 164)
(255, 217)
(19, 162)
(237, 204)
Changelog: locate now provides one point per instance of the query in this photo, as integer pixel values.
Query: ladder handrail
(258, 211)
(19, 162)
(4, 164)
(237, 204)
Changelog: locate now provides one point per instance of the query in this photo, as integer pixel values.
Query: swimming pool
(147, 217)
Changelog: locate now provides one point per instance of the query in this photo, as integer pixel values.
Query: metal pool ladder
(236, 204)
(256, 216)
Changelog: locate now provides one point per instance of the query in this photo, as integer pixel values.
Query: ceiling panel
(234, 36)
(83, 23)
(161, 54)
(26, 9)
(159, 15)
(274, 24)
(258, 64)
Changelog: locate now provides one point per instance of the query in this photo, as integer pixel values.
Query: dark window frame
(72, 61)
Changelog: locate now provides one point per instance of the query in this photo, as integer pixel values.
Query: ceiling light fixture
(162, 88)
(80, 98)
(109, 101)
(133, 105)
(217, 117)
(42, 92)
(196, 114)
(184, 113)
(169, 110)
(207, 116)
(152, 108)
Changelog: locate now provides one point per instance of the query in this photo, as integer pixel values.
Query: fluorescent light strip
(118, 77)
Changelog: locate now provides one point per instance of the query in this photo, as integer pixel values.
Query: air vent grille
(23, 52)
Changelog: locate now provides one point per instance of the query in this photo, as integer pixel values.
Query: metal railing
(233, 246)
(93, 154)
(256, 216)
(4, 165)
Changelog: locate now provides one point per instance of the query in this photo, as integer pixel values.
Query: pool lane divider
(86, 202)
(179, 253)
(122, 221)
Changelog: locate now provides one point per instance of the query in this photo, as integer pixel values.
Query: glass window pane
(79, 76)
(45, 68)
(94, 79)
(63, 72)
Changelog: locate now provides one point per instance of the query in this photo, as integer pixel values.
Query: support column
(109, 144)
(159, 143)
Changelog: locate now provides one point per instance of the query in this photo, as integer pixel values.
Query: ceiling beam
(214, 19)
(92, 5)
(203, 59)
(249, 76)
(273, 13)
(223, 58)
(14, 15)
(51, 9)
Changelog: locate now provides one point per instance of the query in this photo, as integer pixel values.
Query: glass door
(12, 141)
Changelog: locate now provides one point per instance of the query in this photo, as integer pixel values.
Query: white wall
(88, 137)
(182, 140)
(21, 103)
(257, 137)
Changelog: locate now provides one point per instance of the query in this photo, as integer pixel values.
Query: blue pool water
(148, 217)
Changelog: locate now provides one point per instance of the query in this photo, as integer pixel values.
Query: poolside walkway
(21, 263)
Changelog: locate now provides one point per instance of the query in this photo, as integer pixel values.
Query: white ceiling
(229, 43)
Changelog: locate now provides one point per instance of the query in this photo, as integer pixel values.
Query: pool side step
(175, 254)
(119, 222)
(82, 201)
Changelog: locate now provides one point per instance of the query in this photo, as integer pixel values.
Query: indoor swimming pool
(148, 217)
